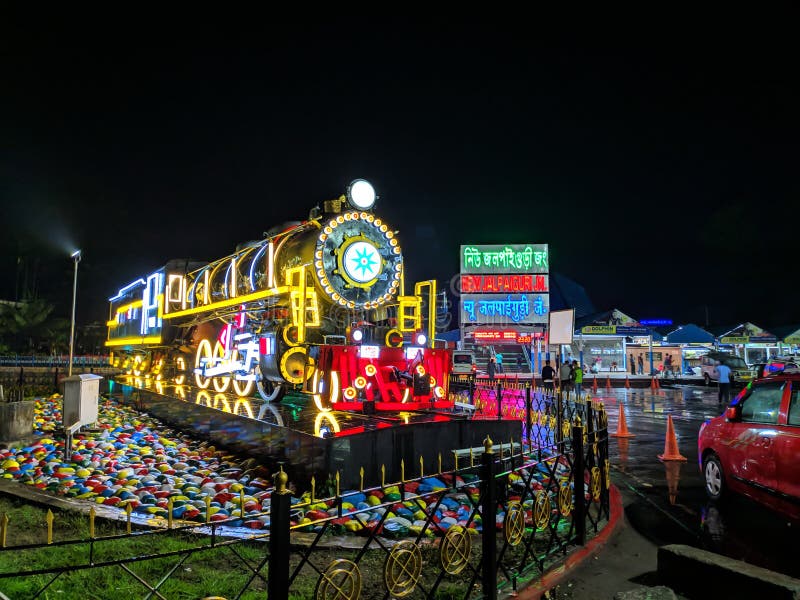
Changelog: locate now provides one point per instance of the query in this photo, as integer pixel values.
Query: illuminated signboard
(502, 258)
(499, 284)
(496, 336)
(655, 322)
(613, 330)
(510, 309)
(502, 336)
(735, 339)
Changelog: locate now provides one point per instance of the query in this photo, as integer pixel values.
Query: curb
(556, 575)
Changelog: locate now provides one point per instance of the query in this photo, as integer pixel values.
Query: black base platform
(310, 443)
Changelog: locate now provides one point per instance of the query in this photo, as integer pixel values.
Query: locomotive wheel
(203, 351)
(180, 370)
(270, 391)
(221, 382)
(240, 388)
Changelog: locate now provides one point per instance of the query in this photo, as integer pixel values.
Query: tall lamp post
(76, 256)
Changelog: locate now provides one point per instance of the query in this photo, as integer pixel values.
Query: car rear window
(794, 404)
(763, 403)
(462, 359)
(734, 362)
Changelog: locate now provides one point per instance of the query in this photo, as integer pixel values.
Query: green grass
(211, 572)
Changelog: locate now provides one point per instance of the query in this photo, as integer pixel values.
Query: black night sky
(661, 168)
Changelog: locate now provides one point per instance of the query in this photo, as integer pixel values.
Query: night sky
(661, 169)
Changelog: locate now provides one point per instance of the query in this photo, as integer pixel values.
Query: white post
(76, 256)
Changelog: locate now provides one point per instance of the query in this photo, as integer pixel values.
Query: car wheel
(707, 379)
(714, 477)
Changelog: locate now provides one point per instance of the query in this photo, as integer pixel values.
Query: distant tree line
(29, 327)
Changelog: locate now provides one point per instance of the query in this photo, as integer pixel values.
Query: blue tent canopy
(689, 334)
(453, 335)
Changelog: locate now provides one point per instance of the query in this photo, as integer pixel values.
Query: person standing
(499, 358)
(577, 378)
(564, 375)
(668, 366)
(640, 362)
(491, 367)
(548, 377)
(723, 375)
(633, 364)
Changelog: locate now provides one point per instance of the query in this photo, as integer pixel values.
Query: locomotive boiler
(318, 306)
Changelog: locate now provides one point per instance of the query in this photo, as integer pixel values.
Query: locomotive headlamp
(361, 194)
(420, 339)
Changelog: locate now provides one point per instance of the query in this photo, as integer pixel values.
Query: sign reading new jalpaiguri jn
(505, 258)
(505, 286)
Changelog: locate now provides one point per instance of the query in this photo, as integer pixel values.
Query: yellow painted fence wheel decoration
(608, 474)
(541, 510)
(514, 524)
(340, 581)
(565, 498)
(456, 550)
(402, 569)
(595, 484)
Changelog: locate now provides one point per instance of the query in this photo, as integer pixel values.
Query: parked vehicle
(752, 448)
(463, 362)
(740, 373)
(776, 365)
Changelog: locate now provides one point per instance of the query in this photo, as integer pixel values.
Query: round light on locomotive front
(362, 261)
(361, 194)
(421, 339)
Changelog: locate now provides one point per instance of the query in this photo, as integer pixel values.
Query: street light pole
(76, 256)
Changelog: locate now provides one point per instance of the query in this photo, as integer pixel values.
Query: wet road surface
(672, 507)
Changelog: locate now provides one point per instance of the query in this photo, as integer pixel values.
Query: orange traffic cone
(627, 383)
(608, 382)
(653, 384)
(622, 426)
(594, 385)
(658, 385)
(671, 444)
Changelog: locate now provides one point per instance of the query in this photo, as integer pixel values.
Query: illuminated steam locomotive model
(317, 306)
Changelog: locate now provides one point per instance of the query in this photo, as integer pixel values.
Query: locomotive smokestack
(334, 206)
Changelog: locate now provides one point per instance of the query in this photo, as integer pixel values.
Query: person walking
(723, 375)
(519, 363)
(577, 378)
(640, 362)
(548, 377)
(565, 376)
(491, 367)
(499, 358)
(633, 364)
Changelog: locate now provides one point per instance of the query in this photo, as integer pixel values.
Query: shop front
(601, 342)
(789, 341)
(666, 357)
(750, 342)
(693, 342)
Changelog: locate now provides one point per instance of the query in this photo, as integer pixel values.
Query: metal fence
(21, 360)
(519, 506)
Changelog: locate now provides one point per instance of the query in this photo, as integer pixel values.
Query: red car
(753, 448)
